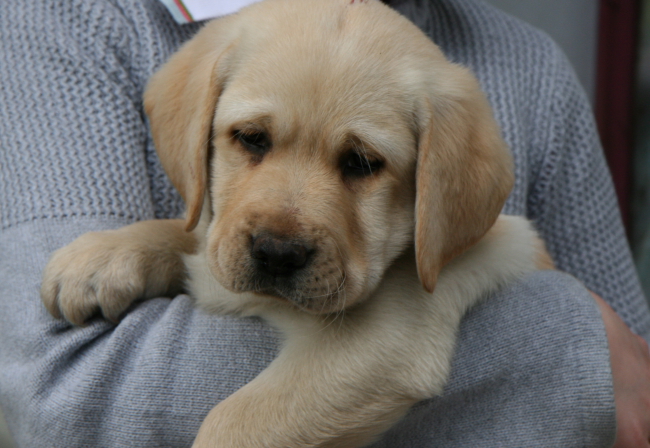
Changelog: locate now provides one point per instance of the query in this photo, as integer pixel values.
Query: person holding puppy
(532, 365)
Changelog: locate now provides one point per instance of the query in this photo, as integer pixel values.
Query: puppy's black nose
(279, 257)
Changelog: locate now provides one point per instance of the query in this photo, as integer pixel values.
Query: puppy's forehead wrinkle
(242, 110)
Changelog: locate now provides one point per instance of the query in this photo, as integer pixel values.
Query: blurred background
(640, 234)
(608, 43)
(5, 437)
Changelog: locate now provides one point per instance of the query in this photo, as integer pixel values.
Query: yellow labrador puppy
(343, 181)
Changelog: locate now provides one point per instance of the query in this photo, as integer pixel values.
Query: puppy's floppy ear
(180, 101)
(464, 173)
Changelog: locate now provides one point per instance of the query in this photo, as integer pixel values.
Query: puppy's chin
(314, 294)
(327, 304)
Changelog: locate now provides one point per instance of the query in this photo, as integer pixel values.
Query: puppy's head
(321, 138)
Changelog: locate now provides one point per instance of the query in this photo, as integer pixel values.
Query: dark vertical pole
(617, 56)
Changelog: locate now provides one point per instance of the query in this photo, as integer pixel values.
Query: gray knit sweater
(532, 367)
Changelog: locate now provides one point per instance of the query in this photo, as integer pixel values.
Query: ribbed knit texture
(68, 70)
(75, 155)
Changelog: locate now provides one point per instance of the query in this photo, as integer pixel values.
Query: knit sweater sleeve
(71, 123)
(75, 156)
(574, 206)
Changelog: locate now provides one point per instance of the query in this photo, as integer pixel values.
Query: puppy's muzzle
(302, 264)
(278, 256)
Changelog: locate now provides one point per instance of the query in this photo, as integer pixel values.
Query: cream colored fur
(397, 256)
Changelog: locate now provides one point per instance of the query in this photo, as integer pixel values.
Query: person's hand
(630, 360)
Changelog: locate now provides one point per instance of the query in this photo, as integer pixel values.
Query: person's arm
(630, 360)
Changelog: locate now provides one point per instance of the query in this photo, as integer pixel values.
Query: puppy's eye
(258, 143)
(354, 164)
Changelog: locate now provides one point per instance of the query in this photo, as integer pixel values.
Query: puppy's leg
(106, 271)
(328, 395)
(342, 381)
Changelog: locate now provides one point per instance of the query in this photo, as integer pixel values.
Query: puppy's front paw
(99, 271)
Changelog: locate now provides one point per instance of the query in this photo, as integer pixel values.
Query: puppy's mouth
(311, 293)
